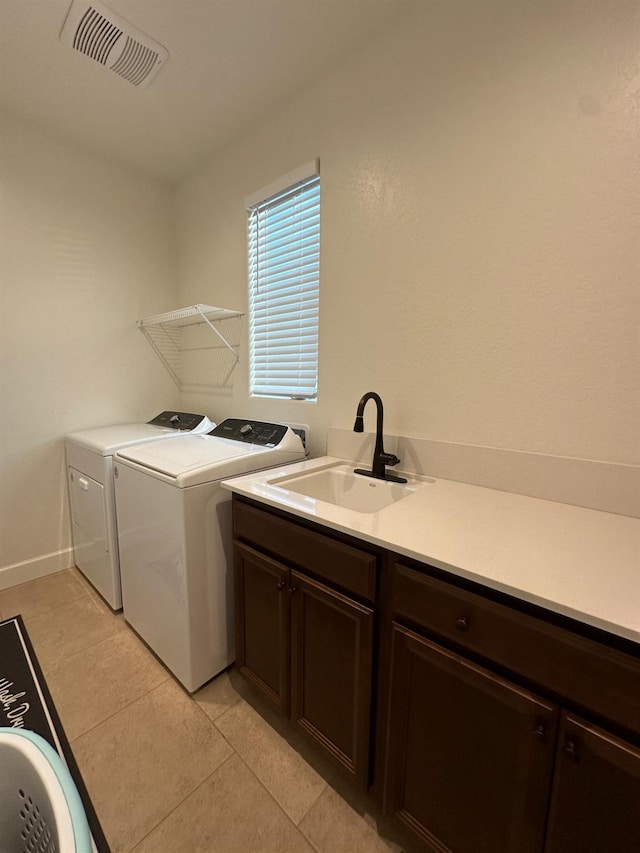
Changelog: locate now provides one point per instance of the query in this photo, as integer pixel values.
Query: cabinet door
(595, 806)
(262, 624)
(332, 654)
(469, 754)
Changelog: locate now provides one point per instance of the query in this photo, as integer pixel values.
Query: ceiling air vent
(100, 34)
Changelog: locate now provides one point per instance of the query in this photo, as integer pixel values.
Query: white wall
(479, 263)
(479, 254)
(87, 248)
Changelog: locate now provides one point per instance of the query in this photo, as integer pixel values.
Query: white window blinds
(284, 266)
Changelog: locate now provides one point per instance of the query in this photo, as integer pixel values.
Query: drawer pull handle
(463, 623)
(281, 585)
(571, 751)
(540, 732)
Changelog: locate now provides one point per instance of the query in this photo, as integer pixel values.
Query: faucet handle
(389, 458)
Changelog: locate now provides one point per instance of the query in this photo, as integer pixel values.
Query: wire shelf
(181, 349)
(189, 316)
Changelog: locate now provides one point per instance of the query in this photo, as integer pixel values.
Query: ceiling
(230, 62)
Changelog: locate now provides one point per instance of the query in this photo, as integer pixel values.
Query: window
(284, 267)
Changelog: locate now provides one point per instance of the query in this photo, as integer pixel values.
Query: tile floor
(173, 773)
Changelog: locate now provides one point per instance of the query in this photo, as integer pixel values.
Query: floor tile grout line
(119, 629)
(225, 712)
(278, 804)
(48, 610)
(168, 678)
(162, 672)
(209, 719)
(56, 662)
(92, 645)
(311, 805)
(46, 666)
(84, 591)
(182, 801)
(254, 774)
(119, 710)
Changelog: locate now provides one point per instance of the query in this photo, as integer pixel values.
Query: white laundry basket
(40, 808)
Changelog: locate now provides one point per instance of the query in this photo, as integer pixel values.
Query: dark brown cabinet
(331, 667)
(306, 645)
(475, 761)
(263, 624)
(480, 723)
(470, 754)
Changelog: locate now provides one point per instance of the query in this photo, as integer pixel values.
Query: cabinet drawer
(605, 680)
(348, 567)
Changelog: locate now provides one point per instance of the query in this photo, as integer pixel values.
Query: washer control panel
(178, 420)
(251, 432)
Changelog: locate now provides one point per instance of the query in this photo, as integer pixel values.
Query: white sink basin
(340, 486)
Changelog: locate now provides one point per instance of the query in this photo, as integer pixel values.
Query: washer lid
(106, 440)
(191, 460)
(187, 453)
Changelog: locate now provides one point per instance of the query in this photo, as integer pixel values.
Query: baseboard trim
(37, 567)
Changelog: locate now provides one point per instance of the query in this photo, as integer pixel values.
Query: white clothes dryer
(91, 492)
(175, 539)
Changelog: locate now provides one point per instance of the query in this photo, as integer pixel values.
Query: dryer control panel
(178, 420)
(251, 432)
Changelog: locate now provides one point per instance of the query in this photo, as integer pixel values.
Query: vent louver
(95, 36)
(97, 32)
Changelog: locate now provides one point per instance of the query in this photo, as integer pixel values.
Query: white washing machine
(92, 497)
(175, 539)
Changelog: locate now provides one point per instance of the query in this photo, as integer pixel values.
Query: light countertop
(578, 562)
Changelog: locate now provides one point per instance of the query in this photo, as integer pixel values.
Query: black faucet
(380, 458)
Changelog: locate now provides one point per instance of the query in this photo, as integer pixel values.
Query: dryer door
(88, 519)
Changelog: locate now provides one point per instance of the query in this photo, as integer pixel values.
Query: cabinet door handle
(539, 732)
(292, 590)
(462, 623)
(571, 751)
(281, 585)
